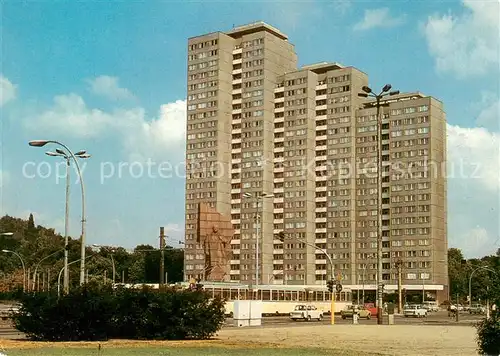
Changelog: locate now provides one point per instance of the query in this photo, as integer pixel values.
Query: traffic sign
(339, 287)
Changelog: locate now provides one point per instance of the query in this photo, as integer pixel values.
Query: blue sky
(110, 77)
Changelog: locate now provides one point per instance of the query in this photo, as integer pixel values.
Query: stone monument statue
(215, 233)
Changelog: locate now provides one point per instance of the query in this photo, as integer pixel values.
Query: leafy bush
(93, 312)
(488, 335)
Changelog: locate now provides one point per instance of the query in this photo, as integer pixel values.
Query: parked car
(306, 312)
(431, 306)
(477, 309)
(416, 311)
(362, 312)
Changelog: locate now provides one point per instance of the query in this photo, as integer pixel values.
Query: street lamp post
(69, 153)
(61, 271)
(39, 262)
(332, 269)
(258, 222)
(22, 263)
(61, 153)
(367, 92)
(470, 280)
(112, 259)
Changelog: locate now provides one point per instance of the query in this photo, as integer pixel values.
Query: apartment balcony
(279, 251)
(236, 121)
(279, 100)
(320, 169)
(321, 179)
(236, 101)
(235, 191)
(320, 97)
(236, 111)
(321, 199)
(321, 231)
(236, 131)
(321, 117)
(237, 91)
(235, 160)
(278, 200)
(237, 50)
(321, 210)
(235, 201)
(237, 71)
(278, 211)
(235, 211)
(237, 81)
(321, 128)
(321, 138)
(321, 189)
(279, 221)
(279, 180)
(320, 220)
(234, 272)
(320, 271)
(237, 61)
(279, 169)
(320, 158)
(279, 139)
(321, 107)
(279, 129)
(236, 150)
(282, 109)
(321, 148)
(236, 140)
(279, 119)
(235, 181)
(321, 87)
(279, 89)
(279, 190)
(321, 262)
(235, 221)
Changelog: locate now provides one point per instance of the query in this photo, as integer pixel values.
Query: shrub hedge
(488, 335)
(97, 312)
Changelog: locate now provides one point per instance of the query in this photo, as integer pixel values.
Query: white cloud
(466, 44)
(378, 18)
(489, 116)
(142, 137)
(158, 137)
(476, 242)
(109, 87)
(7, 91)
(473, 154)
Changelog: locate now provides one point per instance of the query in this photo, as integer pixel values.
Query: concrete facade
(258, 124)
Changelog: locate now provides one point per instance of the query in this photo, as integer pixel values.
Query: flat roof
(322, 67)
(256, 27)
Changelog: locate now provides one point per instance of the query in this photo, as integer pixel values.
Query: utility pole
(399, 264)
(162, 255)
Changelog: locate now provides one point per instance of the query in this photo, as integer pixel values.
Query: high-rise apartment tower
(258, 125)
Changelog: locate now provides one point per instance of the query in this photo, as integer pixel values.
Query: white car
(431, 306)
(306, 312)
(414, 310)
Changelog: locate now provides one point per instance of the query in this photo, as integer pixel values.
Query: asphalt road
(437, 318)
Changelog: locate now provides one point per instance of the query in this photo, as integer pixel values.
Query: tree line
(35, 242)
